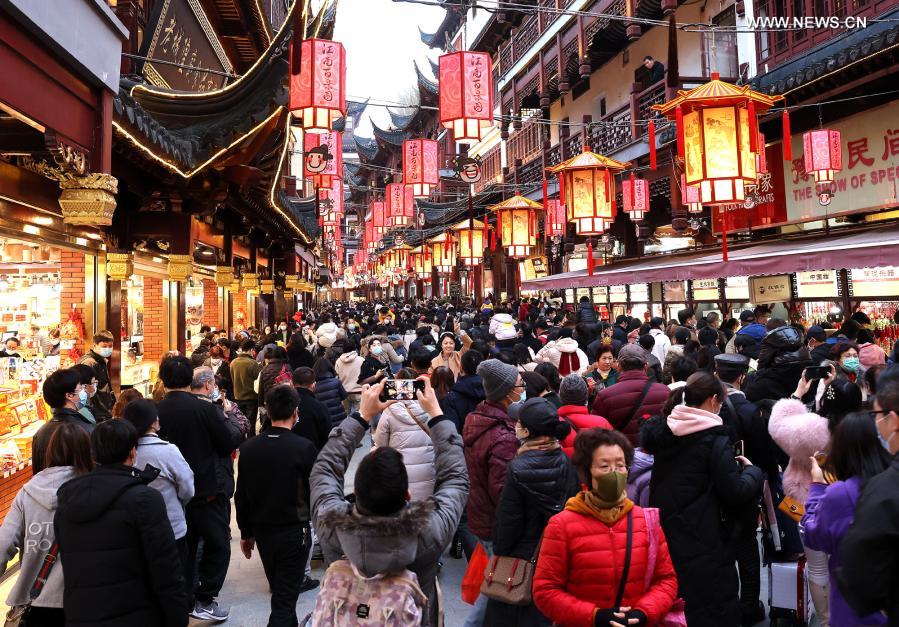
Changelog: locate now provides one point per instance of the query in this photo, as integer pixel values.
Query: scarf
(539, 443)
(685, 420)
(589, 504)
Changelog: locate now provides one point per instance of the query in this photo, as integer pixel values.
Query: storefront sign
(569, 296)
(618, 293)
(765, 204)
(883, 281)
(770, 289)
(639, 293)
(736, 289)
(674, 291)
(817, 284)
(183, 36)
(705, 289)
(583, 292)
(870, 168)
(600, 295)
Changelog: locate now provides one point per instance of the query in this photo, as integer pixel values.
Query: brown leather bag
(510, 579)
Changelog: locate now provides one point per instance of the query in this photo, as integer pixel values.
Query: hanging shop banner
(770, 289)
(675, 291)
(182, 36)
(765, 203)
(736, 289)
(600, 295)
(539, 264)
(705, 289)
(817, 284)
(883, 281)
(618, 293)
(870, 172)
(639, 293)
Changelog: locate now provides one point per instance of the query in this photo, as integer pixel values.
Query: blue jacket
(330, 392)
(462, 399)
(755, 330)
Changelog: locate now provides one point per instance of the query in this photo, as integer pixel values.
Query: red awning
(868, 249)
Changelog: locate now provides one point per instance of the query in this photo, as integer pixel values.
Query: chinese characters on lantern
(318, 92)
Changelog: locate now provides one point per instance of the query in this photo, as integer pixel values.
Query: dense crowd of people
(593, 473)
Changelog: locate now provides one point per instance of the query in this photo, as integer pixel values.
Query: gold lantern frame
(422, 263)
(717, 128)
(587, 188)
(443, 253)
(517, 225)
(472, 238)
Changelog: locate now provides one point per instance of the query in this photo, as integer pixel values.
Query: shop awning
(859, 250)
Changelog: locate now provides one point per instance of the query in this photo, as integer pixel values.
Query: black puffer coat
(782, 358)
(118, 552)
(696, 483)
(538, 483)
(462, 399)
(329, 390)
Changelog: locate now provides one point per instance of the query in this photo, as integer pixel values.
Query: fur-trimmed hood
(379, 544)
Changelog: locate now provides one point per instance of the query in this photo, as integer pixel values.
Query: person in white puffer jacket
(502, 327)
(400, 427)
(565, 355)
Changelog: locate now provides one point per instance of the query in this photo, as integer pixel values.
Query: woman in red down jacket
(581, 560)
(573, 393)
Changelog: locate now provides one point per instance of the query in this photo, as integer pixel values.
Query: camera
(401, 389)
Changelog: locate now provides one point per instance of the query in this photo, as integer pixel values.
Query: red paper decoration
(635, 194)
(555, 218)
(400, 205)
(420, 169)
(333, 168)
(466, 94)
(318, 92)
(689, 196)
(379, 217)
(823, 154)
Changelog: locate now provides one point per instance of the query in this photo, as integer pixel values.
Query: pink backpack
(675, 616)
(349, 599)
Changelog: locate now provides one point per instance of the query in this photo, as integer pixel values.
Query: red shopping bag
(474, 575)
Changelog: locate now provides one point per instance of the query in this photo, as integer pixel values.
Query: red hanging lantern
(466, 94)
(443, 253)
(516, 226)
(761, 160)
(330, 201)
(555, 218)
(717, 130)
(689, 196)
(587, 184)
(822, 154)
(379, 217)
(400, 205)
(323, 158)
(635, 195)
(420, 170)
(421, 261)
(318, 91)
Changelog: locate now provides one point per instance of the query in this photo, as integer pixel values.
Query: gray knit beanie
(573, 390)
(497, 377)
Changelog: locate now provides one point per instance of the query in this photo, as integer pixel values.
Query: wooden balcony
(613, 132)
(526, 143)
(491, 168)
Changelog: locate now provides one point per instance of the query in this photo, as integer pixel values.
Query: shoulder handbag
(17, 614)
(637, 406)
(627, 560)
(675, 616)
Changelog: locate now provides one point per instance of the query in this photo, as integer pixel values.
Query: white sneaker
(210, 611)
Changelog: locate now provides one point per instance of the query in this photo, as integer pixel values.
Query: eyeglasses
(875, 412)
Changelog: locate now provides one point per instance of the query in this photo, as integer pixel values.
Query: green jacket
(244, 372)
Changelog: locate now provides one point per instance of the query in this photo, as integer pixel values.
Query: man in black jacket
(63, 392)
(816, 340)
(586, 314)
(199, 430)
(467, 392)
(121, 566)
(272, 502)
(314, 422)
(98, 360)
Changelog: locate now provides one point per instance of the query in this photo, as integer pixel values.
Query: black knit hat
(141, 413)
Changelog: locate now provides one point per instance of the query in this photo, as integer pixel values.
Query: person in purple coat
(855, 456)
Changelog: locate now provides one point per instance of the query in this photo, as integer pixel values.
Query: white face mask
(105, 352)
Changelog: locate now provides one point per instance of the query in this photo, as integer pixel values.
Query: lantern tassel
(680, 132)
(590, 257)
(545, 192)
(499, 226)
(787, 140)
(652, 145)
(724, 234)
(753, 128)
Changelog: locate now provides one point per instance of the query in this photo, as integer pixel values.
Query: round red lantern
(420, 169)
(587, 187)
(466, 94)
(318, 91)
(717, 137)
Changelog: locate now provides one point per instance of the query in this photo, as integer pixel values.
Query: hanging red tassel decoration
(724, 234)
(652, 145)
(497, 233)
(590, 257)
(753, 128)
(561, 180)
(788, 140)
(681, 144)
